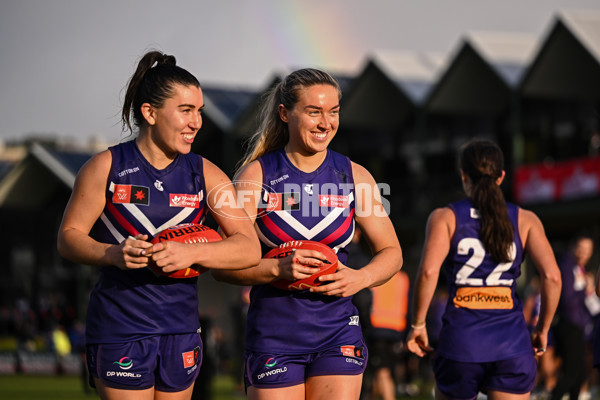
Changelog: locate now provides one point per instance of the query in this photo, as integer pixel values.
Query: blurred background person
(572, 318)
(386, 335)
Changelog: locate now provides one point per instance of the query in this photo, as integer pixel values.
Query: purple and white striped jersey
(135, 304)
(296, 205)
(483, 320)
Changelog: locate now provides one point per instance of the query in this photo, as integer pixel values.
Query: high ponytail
(483, 162)
(152, 82)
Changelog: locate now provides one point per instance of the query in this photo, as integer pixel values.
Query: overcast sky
(63, 63)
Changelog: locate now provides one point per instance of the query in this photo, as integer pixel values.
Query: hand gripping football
(329, 264)
(185, 233)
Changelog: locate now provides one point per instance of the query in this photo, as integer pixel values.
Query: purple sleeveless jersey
(135, 304)
(483, 320)
(317, 206)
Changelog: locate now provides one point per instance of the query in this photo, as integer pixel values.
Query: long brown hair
(272, 132)
(483, 162)
(152, 83)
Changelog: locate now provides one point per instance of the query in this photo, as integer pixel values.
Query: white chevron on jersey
(345, 242)
(147, 224)
(266, 241)
(112, 228)
(307, 233)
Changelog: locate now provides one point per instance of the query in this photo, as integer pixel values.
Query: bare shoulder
(213, 175)
(99, 164)
(250, 172)
(442, 215)
(442, 220)
(528, 222)
(361, 174)
(210, 167)
(528, 219)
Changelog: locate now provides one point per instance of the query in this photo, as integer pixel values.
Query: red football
(329, 264)
(185, 233)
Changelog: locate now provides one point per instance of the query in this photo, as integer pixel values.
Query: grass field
(41, 387)
(31, 387)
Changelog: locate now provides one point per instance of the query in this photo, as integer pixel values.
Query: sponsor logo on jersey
(131, 194)
(158, 185)
(271, 362)
(332, 200)
(282, 201)
(124, 363)
(280, 179)
(353, 320)
(484, 298)
(184, 200)
(474, 213)
(128, 171)
(308, 188)
(353, 351)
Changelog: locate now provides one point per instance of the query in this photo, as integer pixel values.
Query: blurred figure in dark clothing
(573, 316)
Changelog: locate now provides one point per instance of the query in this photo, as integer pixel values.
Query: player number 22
(493, 279)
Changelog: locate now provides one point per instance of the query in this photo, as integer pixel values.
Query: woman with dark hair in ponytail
(143, 330)
(484, 343)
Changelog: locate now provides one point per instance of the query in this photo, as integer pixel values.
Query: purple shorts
(462, 380)
(168, 363)
(273, 370)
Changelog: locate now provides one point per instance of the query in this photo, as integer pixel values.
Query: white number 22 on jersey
(493, 279)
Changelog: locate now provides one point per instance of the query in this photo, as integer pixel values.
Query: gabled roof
(389, 89)
(32, 181)
(225, 105)
(485, 70)
(374, 102)
(585, 25)
(567, 64)
(5, 167)
(413, 73)
(509, 54)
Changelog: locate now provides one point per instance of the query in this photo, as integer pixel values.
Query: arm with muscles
(240, 247)
(379, 232)
(537, 246)
(83, 210)
(440, 228)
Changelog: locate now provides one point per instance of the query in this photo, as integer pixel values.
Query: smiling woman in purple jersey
(143, 330)
(484, 343)
(308, 344)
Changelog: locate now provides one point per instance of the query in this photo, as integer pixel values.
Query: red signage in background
(566, 180)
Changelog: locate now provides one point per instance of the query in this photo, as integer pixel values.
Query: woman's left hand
(417, 341)
(172, 256)
(344, 282)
